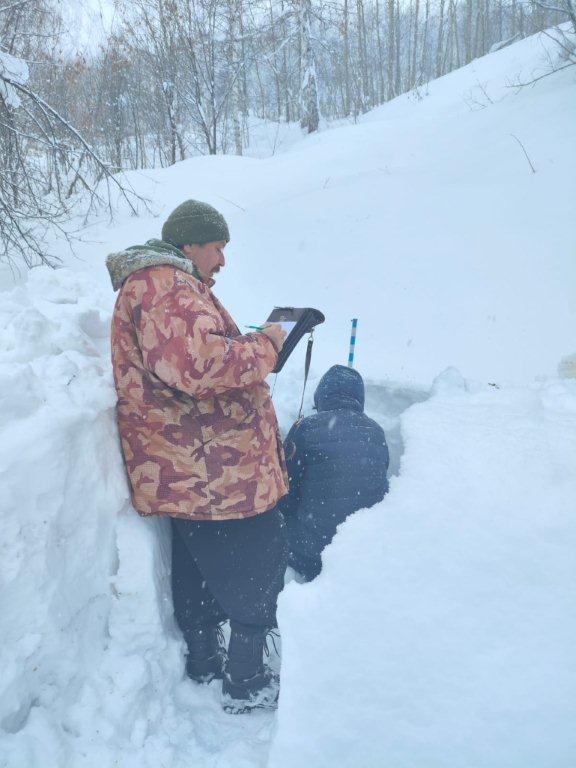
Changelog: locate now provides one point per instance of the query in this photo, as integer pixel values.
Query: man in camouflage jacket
(201, 442)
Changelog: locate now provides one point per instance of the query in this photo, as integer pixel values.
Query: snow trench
(438, 633)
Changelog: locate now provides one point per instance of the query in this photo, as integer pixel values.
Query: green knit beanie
(194, 222)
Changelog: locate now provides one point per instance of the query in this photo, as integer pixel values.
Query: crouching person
(337, 463)
(201, 445)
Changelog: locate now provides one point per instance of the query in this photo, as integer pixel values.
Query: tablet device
(296, 321)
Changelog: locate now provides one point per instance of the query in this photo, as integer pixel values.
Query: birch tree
(310, 113)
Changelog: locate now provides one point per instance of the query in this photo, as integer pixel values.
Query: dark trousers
(308, 567)
(232, 569)
(304, 549)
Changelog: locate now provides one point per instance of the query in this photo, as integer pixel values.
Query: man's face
(208, 258)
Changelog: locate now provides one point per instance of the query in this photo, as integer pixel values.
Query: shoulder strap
(306, 371)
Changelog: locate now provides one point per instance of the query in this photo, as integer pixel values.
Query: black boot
(206, 653)
(248, 684)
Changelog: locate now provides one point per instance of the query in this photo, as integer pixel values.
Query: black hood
(340, 387)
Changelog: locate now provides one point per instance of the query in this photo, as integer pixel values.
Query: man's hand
(275, 333)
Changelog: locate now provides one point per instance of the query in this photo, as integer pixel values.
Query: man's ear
(189, 250)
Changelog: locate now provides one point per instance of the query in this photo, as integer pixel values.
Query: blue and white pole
(352, 343)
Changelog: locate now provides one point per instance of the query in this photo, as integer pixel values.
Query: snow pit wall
(90, 656)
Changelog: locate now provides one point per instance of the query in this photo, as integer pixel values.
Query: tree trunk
(346, 61)
(424, 69)
(398, 37)
(380, 56)
(235, 13)
(414, 71)
(309, 92)
(468, 49)
(440, 41)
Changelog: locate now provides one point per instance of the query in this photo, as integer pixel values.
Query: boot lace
(273, 635)
(220, 634)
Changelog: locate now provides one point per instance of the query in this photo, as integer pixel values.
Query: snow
(453, 643)
(424, 220)
(92, 664)
(267, 138)
(440, 633)
(15, 69)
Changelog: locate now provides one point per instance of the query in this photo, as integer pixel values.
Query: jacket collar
(152, 254)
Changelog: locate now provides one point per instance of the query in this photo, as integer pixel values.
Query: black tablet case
(305, 318)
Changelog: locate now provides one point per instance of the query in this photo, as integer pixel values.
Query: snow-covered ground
(441, 632)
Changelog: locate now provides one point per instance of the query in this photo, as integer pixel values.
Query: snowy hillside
(424, 220)
(441, 632)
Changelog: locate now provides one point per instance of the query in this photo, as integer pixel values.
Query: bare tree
(44, 159)
(346, 42)
(181, 77)
(414, 57)
(391, 43)
(565, 8)
(440, 41)
(310, 118)
(236, 65)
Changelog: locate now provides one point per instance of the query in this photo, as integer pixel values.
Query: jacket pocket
(223, 414)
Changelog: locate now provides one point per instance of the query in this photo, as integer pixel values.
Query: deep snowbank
(71, 653)
(441, 632)
(92, 665)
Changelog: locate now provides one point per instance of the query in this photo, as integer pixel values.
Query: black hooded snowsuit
(337, 463)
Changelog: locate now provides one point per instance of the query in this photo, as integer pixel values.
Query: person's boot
(248, 684)
(206, 653)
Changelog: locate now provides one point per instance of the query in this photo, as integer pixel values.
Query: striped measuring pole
(352, 343)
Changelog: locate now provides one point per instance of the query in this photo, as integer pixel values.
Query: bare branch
(535, 80)
(525, 153)
(12, 6)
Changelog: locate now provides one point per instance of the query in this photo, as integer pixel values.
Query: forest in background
(178, 78)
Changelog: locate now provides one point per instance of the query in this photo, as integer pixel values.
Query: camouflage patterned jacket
(197, 425)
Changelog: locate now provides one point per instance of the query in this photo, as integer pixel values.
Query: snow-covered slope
(438, 635)
(424, 220)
